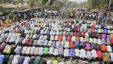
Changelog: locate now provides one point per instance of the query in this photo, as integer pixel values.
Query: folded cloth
(61, 51)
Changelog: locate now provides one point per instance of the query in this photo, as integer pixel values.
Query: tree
(31, 3)
(20, 1)
(98, 3)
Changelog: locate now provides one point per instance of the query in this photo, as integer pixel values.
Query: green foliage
(44, 2)
(31, 3)
(96, 3)
(20, 1)
(51, 2)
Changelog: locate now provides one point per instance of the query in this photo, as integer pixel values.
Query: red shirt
(92, 30)
(111, 39)
(100, 55)
(60, 38)
(68, 39)
(104, 48)
(71, 44)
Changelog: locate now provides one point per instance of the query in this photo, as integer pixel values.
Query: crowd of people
(101, 16)
(34, 40)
